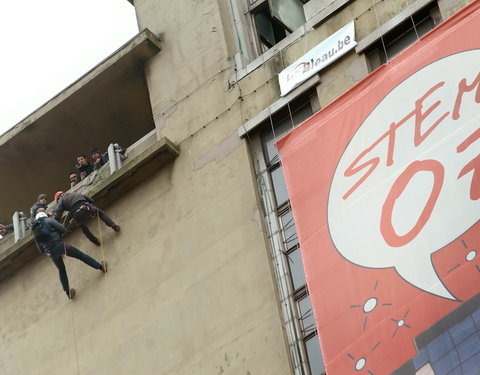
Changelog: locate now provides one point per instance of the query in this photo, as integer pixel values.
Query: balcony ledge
(14, 255)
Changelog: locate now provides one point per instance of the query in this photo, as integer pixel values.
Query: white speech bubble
(432, 206)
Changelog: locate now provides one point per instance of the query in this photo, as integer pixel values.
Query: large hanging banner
(385, 186)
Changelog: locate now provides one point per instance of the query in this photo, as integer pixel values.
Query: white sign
(335, 46)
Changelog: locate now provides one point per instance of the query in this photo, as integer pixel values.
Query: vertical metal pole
(16, 226)
(23, 224)
(18, 220)
(118, 160)
(112, 158)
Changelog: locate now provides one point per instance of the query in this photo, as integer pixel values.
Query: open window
(273, 20)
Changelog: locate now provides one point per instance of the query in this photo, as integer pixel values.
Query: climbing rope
(109, 304)
(75, 338)
(73, 318)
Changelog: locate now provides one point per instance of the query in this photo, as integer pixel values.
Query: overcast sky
(46, 45)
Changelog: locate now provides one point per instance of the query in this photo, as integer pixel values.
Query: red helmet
(58, 194)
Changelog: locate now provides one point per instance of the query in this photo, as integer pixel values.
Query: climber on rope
(48, 237)
(81, 208)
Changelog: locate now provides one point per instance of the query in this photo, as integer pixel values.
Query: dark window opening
(269, 30)
(403, 35)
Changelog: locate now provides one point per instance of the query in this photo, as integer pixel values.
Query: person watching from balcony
(84, 168)
(73, 179)
(5, 229)
(48, 238)
(81, 208)
(99, 159)
(40, 203)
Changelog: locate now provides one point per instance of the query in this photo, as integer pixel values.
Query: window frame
(263, 6)
(274, 212)
(248, 56)
(399, 38)
(373, 38)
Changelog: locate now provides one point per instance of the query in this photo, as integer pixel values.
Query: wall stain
(220, 151)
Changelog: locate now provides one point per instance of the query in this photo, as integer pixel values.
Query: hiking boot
(71, 293)
(96, 241)
(116, 228)
(104, 268)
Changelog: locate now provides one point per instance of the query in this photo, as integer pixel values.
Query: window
(269, 30)
(403, 35)
(273, 20)
(303, 341)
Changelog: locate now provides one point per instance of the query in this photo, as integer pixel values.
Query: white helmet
(40, 215)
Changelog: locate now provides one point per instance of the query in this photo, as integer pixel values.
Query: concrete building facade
(206, 275)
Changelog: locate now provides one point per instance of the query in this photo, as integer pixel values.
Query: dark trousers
(55, 253)
(90, 210)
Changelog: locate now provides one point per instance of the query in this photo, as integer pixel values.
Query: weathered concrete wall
(189, 75)
(449, 7)
(189, 289)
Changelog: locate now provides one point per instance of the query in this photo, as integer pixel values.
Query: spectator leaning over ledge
(5, 229)
(48, 238)
(81, 208)
(99, 159)
(73, 179)
(84, 168)
(40, 203)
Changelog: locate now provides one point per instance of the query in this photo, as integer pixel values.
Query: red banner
(384, 185)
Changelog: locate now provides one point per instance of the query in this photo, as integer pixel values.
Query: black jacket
(103, 160)
(47, 231)
(84, 168)
(70, 202)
